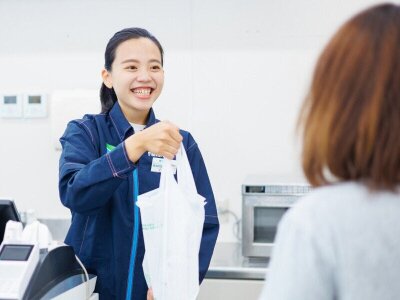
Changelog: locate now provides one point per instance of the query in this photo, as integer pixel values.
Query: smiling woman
(137, 77)
(106, 156)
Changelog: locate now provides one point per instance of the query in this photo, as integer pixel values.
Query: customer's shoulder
(323, 202)
(335, 191)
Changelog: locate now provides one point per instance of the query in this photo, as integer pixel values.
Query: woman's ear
(106, 78)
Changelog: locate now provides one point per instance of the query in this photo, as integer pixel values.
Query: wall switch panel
(35, 105)
(11, 105)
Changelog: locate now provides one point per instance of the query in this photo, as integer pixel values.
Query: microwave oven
(263, 205)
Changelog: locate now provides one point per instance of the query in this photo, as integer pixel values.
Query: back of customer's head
(351, 117)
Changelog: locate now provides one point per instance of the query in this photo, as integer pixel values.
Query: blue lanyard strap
(135, 235)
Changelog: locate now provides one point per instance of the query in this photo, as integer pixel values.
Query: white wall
(236, 73)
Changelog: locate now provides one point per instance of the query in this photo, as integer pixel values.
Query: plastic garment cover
(172, 220)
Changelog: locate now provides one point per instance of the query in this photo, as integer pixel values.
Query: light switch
(35, 105)
(11, 105)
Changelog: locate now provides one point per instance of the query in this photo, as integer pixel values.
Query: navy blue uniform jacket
(98, 189)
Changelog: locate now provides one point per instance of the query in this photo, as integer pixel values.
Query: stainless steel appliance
(263, 205)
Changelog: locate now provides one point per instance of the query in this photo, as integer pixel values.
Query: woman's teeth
(142, 91)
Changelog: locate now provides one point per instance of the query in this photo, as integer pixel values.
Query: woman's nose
(143, 75)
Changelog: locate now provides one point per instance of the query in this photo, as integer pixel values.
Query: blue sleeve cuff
(210, 219)
(119, 162)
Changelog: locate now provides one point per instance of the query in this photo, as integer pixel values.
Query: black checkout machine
(27, 272)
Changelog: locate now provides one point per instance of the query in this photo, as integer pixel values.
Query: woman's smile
(142, 92)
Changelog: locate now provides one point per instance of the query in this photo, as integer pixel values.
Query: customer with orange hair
(342, 241)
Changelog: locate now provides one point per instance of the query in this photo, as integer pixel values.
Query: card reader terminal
(17, 264)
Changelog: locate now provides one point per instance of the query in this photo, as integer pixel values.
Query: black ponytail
(107, 98)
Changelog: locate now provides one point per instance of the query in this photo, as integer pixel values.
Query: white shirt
(338, 242)
(137, 127)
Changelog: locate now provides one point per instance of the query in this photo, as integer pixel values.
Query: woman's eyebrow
(155, 60)
(132, 60)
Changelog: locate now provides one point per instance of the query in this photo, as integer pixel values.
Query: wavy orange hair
(350, 120)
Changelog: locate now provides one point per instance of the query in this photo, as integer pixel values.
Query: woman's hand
(162, 139)
(150, 294)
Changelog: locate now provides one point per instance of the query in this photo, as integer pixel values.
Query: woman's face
(137, 77)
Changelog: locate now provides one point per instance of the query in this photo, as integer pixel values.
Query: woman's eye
(156, 68)
(131, 68)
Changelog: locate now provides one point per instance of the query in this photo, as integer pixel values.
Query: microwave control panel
(275, 189)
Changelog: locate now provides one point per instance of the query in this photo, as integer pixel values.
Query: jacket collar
(121, 124)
